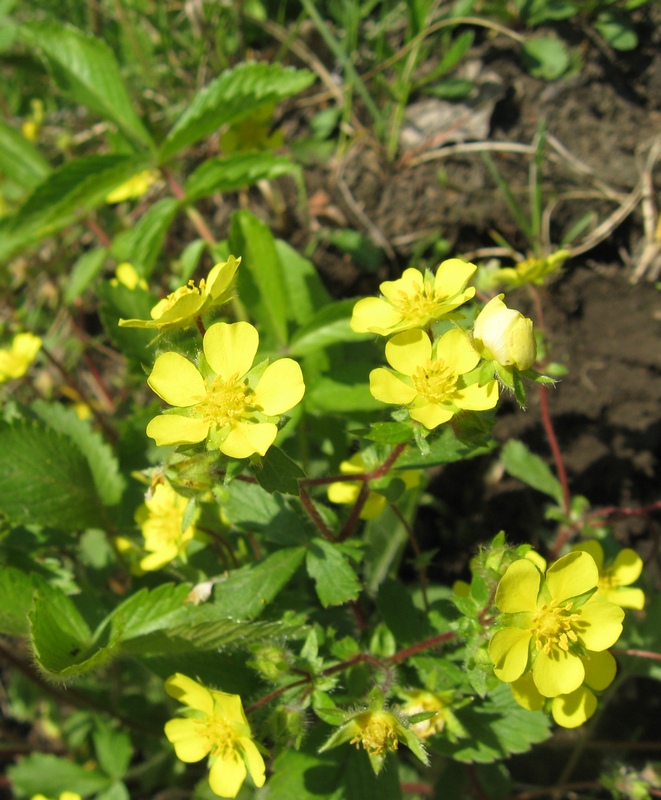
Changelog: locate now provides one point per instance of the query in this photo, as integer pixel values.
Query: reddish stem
(315, 516)
(638, 654)
(427, 644)
(422, 572)
(555, 447)
(98, 231)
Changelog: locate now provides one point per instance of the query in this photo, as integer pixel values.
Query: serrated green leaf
(113, 749)
(260, 280)
(83, 272)
(149, 611)
(254, 510)
(496, 729)
(235, 172)
(65, 196)
(142, 244)
(20, 161)
(86, 69)
(445, 449)
(328, 326)
(529, 468)
(335, 580)
(406, 622)
(102, 462)
(389, 432)
(235, 94)
(278, 473)
(227, 633)
(46, 480)
(325, 394)
(40, 773)
(247, 591)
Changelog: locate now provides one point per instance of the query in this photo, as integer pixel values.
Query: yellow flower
(615, 579)
(15, 362)
(127, 275)
(161, 518)
(504, 335)
(234, 411)
(429, 379)
(134, 187)
(181, 308)
(414, 300)
(215, 725)
(549, 625)
(531, 270)
(345, 492)
(63, 796)
(421, 700)
(572, 709)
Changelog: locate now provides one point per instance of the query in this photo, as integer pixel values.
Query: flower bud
(504, 335)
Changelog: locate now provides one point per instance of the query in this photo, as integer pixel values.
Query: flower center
(434, 381)
(220, 733)
(554, 626)
(376, 734)
(418, 306)
(226, 401)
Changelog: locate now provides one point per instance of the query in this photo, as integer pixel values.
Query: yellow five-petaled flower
(429, 379)
(234, 411)
(414, 300)
(161, 518)
(216, 726)
(549, 625)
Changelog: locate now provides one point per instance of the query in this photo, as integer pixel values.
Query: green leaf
(148, 611)
(102, 462)
(329, 325)
(65, 196)
(142, 244)
(83, 272)
(445, 449)
(260, 281)
(40, 773)
(389, 432)
(306, 293)
(344, 773)
(495, 729)
(113, 749)
(406, 622)
(226, 633)
(335, 580)
(617, 30)
(247, 591)
(545, 57)
(86, 69)
(45, 479)
(20, 161)
(235, 94)
(330, 395)
(235, 172)
(16, 592)
(252, 509)
(278, 473)
(529, 468)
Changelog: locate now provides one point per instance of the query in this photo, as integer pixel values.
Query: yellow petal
(538, 560)
(189, 744)
(158, 559)
(374, 505)
(247, 438)
(526, 693)
(626, 568)
(230, 707)
(221, 276)
(431, 415)
(342, 492)
(451, 277)
(230, 349)
(600, 669)
(626, 597)
(177, 381)
(476, 397)
(518, 588)
(572, 710)
(189, 692)
(508, 649)
(456, 349)
(557, 672)
(572, 575)
(227, 774)
(173, 429)
(255, 762)
(592, 547)
(374, 315)
(184, 310)
(601, 624)
(411, 283)
(409, 350)
(388, 388)
(280, 388)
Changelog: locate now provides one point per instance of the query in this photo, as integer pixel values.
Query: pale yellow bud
(504, 335)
